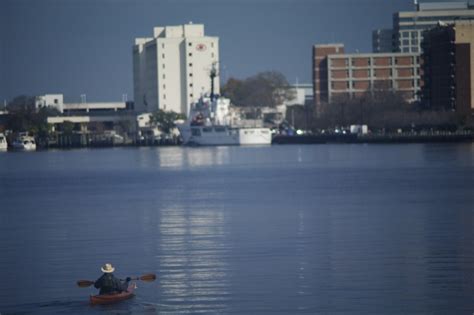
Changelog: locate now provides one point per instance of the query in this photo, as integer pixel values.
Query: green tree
(265, 89)
(23, 116)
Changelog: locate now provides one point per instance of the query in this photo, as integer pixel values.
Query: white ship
(24, 142)
(3, 142)
(210, 123)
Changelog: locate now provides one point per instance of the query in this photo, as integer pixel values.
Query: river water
(246, 230)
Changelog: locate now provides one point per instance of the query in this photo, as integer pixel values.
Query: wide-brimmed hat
(107, 268)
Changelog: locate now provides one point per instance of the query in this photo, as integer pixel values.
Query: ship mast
(213, 74)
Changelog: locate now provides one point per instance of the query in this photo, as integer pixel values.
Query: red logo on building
(201, 47)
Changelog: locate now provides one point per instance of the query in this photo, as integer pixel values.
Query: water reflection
(183, 158)
(193, 259)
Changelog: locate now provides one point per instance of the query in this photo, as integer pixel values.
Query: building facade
(320, 71)
(50, 100)
(382, 41)
(409, 26)
(448, 68)
(172, 69)
(355, 74)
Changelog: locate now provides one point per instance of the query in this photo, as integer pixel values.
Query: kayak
(101, 299)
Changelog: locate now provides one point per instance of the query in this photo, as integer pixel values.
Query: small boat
(102, 299)
(3, 142)
(24, 142)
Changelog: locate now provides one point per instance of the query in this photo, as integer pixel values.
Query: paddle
(147, 277)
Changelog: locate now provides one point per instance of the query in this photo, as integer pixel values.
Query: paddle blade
(84, 283)
(148, 277)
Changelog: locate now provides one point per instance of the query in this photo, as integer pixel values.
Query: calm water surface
(280, 229)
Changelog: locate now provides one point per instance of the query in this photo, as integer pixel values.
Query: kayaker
(108, 283)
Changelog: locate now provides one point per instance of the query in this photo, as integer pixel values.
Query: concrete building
(355, 74)
(97, 107)
(172, 69)
(382, 41)
(320, 68)
(448, 67)
(408, 26)
(50, 100)
(303, 94)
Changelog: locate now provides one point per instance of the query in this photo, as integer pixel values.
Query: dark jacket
(108, 284)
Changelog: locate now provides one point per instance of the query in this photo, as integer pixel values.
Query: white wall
(173, 69)
(52, 100)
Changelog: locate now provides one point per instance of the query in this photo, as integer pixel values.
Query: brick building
(320, 70)
(448, 69)
(336, 73)
(355, 74)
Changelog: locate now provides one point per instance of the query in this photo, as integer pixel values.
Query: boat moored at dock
(24, 142)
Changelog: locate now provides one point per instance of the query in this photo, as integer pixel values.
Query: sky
(76, 47)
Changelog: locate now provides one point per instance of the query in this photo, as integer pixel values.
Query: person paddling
(108, 283)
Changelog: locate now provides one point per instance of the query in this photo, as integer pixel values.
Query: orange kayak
(113, 298)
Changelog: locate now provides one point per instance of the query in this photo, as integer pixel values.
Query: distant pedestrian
(108, 283)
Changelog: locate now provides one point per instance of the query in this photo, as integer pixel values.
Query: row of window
(390, 70)
(369, 62)
(414, 34)
(446, 18)
(189, 44)
(352, 84)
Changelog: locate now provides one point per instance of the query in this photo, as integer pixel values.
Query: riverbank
(408, 137)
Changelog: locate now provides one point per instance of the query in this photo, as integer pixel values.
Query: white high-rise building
(172, 69)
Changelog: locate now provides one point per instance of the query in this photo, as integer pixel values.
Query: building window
(191, 95)
(164, 96)
(190, 44)
(212, 44)
(190, 54)
(190, 85)
(163, 56)
(414, 49)
(368, 62)
(163, 66)
(405, 34)
(406, 49)
(332, 85)
(164, 77)
(396, 61)
(212, 55)
(55, 101)
(162, 45)
(347, 84)
(347, 73)
(190, 64)
(164, 86)
(190, 74)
